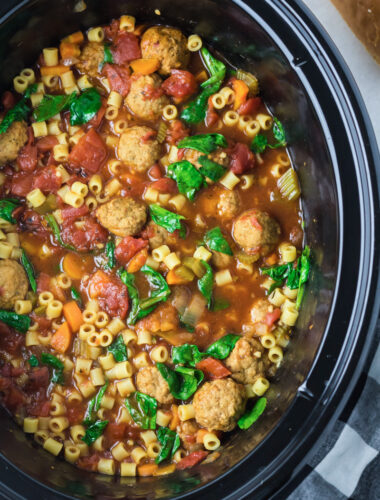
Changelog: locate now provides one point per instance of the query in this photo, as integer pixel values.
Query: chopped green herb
(251, 416)
(84, 107)
(29, 270)
(33, 361)
(216, 68)
(166, 219)
(75, 295)
(110, 253)
(19, 322)
(205, 143)
(19, 112)
(118, 349)
(187, 354)
(206, 283)
(7, 206)
(53, 224)
(170, 442)
(223, 347)
(211, 169)
(94, 406)
(215, 240)
(182, 381)
(187, 177)
(94, 431)
(143, 409)
(52, 105)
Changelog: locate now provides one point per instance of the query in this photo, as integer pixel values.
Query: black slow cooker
(307, 85)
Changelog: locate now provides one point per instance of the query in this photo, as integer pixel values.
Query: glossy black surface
(334, 151)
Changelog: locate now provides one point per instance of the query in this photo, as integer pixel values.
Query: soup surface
(151, 261)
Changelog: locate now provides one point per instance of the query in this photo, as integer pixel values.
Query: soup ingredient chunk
(187, 432)
(13, 283)
(91, 58)
(150, 381)
(219, 404)
(247, 361)
(122, 216)
(146, 99)
(229, 204)
(138, 148)
(259, 310)
(256, 232)
(158, 235)
(12, 141)
(168, 45)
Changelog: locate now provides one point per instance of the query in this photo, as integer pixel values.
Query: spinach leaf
(259, 143)
(33, 361)
(94, 405)
(75, 295)
(293, 277)
(53, 224)
(196, 110)
(277, 273)
(85, 106)
(56, 364)
(187, 354)
(29, 270)
(278, 133)
(215, 240)
(136, 312)
(143, 409)
(166, 219)
(161, 290)
(7, 205)
(187, 177)
(118, 349)
(186, 326)
(94, 431)
(19, 322)
(219, 304)
(304, 271)
(206, 283)
(183, 382)
(251, 416)
(170, 443)
(205, 143)
(19, 112)
(110, 253)
(216, 68)
(223, 347)
(211, 169)
(51, 105)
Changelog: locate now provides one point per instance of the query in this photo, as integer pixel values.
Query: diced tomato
(75, 414)
(111, 293)
(128, 247)
(176, 132)
(118, 78)
(16, 371)
(213, 368)
(71, 214)
(115, 431)
(10, 340)
(272, 317)
(211, 115)
(89, 463)
(8, 100)
(27, 157)
(165, 185)
(155, 172)
(250, 106)
(47, 180)
(151, 92)
(89, 153)
(126, 48)
(242, 159)
(38, 378)
(192, 459)
(43, 282)
(97, 120)
(21, 184)
(85, 238)
(39, 409)
(111, 30)
(43, 323)
(180, 84)
(46, 143)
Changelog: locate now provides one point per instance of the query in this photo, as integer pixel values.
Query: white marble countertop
(364, 69)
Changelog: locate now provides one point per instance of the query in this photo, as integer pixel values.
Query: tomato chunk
(85, 238)
(180, 84)
(71, 214)
(27, 157)
(128, 247)
(272, 317)
(46, 143)
(21, 184)
(111, 293)
(126, 48)
(176, 132)
(165, 185)
(47, 180)
(250, 106)
(242, 159)
(115, 432)
(192, 459)
(89, 463)
(213, 368)
(89, 153)
(118, 78)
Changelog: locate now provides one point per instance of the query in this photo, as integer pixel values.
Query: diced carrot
(174, 279)
(163, 471)
(201, 76)
(145, 66)
(61, 339)
(74, 265)
(54, 70)
(200, 435)
(241, 91)
(174, 422)
(136, 263)
(69, 50)
(147, 469)
(73, 315)
(271, 260)
(76, 37)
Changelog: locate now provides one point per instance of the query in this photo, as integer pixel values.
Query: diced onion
(249, 79)
(288, 185)
(194, 310)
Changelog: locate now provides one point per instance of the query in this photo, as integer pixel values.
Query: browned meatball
(259, 310)
(91, 58)
(150, 381)
(122, 216)
(168, 45)
(138, 148)
(145, 98)
(158, 235)
(229, 204)
(247, 361)
(187, 431)
(219, 404)
(12, 141)
(13, 283)
(256, 232)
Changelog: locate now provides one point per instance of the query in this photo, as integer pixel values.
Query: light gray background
(364, 69)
